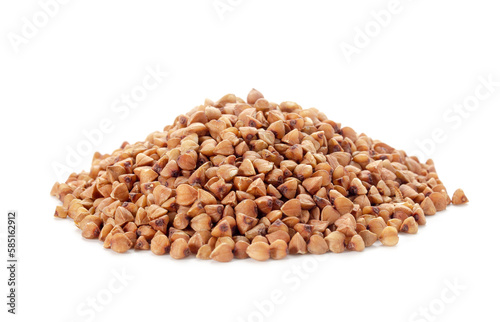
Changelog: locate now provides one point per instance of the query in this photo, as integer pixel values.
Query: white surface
(64, 80)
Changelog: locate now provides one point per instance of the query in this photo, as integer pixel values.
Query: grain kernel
(317, 245)
(179, 249)
(356, 243)
(335, 242)
(278, 249)
(409, 226)
(389, 236)
(141, 243)
(120, 243)
(297, 245)
(90, 230)
(369, 238)
(439, 200)
(343, 205)
(292, 208)
(259, 251)
(160, 245)
(222, 253)
(459, 197)
(240, 249)
(186, 195)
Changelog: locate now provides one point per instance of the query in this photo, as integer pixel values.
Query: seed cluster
(235, 179)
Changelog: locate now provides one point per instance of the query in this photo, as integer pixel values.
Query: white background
(399, 87)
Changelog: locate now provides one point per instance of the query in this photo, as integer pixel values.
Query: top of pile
(255, 178)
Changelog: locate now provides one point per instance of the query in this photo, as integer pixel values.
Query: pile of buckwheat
(235, 179)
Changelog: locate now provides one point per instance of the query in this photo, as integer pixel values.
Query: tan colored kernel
(278, 249)
(120, 243)
(439, 200)
(356, 243)
(61, 212)
(90, 230)
(335, 242)
(389, 236)
(205, 251)
(259, 251)
(317, 245)
(141, 244)
(186, 195)
(179, 249)
(297, 245)
(459, 197)
(409, 226)
(369, 238)
(292, 208)
(240, 249)
(222, 253)
(160, 245)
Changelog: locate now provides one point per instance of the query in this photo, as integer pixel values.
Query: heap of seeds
(235, 179)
